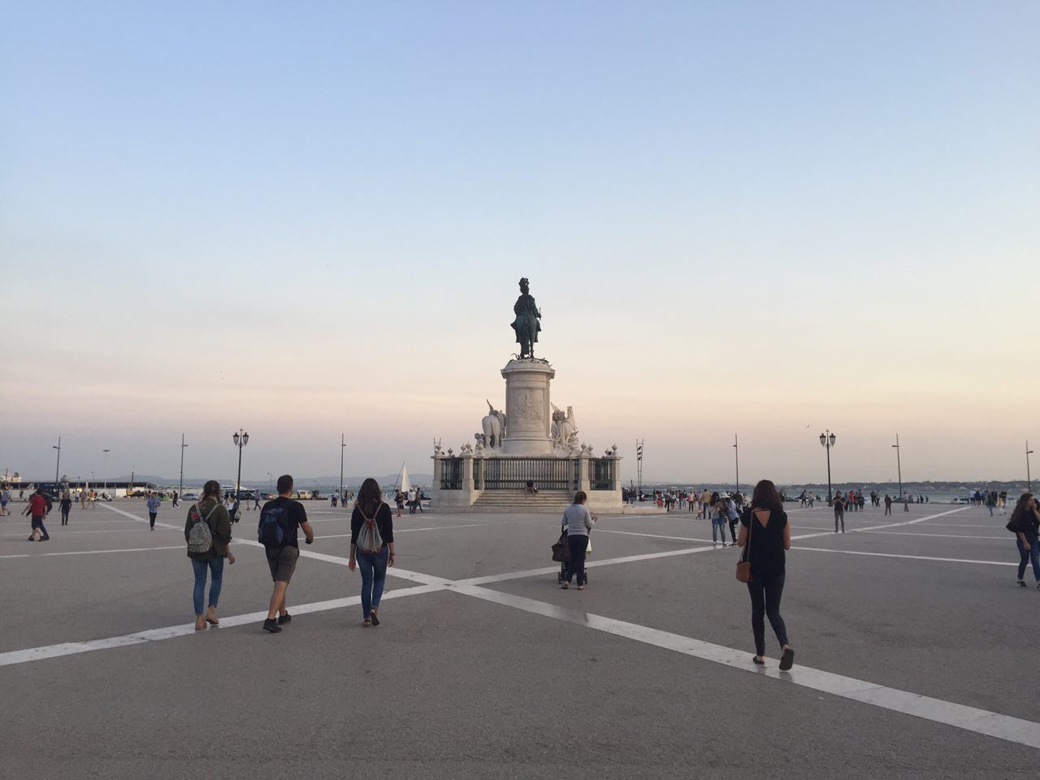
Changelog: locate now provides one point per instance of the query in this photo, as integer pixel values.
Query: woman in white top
(577, 522)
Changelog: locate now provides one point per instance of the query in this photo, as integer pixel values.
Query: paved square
(914, 653)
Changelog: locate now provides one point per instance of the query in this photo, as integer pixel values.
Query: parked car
(190, 497)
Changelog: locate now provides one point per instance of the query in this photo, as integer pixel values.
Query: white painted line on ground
(940, 536)
(895, 555)
(403, 530)
(304, 553)
(63, 532)
(652, 536)
(589, 564)
(144, 520)
(92, 552)
(819, 531)
(1009, 729)
(991, 526)
(158, 634)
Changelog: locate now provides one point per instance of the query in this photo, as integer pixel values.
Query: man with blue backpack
(280, 521)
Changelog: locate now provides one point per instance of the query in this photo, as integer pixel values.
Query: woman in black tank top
(766, 536)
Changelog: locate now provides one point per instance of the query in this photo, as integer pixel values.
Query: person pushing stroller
(577, 523)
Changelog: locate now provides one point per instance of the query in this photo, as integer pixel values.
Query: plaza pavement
(915, 654)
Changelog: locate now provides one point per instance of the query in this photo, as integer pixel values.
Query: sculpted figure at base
(494, 428)
(564, 431)
(527, 322)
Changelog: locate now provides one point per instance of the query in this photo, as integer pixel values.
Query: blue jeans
(373, 577)
(216, 567)
(1030, 555)
(719, 524)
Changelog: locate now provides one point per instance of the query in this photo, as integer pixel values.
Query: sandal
(754, 660)
(367, 623)
(375, 620)
(787, 660)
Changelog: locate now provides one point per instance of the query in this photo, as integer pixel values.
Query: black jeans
(765, 600)
(151, 519)
(64, 516)
(733, 529)
(576, 544)
(839, 514)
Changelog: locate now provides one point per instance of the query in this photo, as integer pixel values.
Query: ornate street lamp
(827, 440)
(241, 439)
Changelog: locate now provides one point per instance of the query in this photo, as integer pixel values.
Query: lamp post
(270, 483)
(736, 459)
(57, 466)
(180, 485)
(342, 448)
(241, 439)
(1029, 478)
(106, 469)
(899, 466)
(639, 468)
(827, 440)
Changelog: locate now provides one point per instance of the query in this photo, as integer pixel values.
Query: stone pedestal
(528, 412)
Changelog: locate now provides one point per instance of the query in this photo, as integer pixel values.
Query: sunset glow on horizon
(740, 219)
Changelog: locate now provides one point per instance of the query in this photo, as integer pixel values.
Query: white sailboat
(403, 484)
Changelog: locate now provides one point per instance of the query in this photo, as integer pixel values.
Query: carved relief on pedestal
(529, 408)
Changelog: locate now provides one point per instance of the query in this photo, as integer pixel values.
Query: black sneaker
(283, 619)
(272, 626)
(1021, 583)
(33, 539)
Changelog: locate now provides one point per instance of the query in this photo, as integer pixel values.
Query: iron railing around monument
(544, 473)
(478, 473)
(451, 474)
(601, 473)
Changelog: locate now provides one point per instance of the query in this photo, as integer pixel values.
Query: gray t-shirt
(577, 519)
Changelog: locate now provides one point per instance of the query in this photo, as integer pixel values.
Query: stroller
(561, 554)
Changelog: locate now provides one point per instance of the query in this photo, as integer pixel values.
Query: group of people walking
(207, 532)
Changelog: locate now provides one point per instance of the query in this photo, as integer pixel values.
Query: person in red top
(39, 507)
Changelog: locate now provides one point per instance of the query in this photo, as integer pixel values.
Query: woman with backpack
(765, 536)
(1024, 524)
(208, 534)
(371, 546)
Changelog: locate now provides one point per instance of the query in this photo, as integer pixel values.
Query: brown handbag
(744, 564)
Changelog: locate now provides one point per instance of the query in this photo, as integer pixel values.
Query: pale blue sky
(351, 190)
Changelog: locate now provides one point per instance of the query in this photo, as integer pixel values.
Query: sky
(309, 219)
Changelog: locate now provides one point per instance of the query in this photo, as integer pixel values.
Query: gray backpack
(369, 539)
(200, 537)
